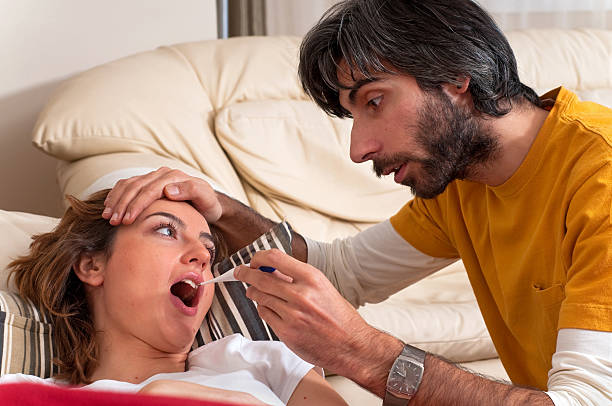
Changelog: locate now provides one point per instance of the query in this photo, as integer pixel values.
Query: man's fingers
(272, 318)
(124, 191)
(286, 264)
(200, 193)
(266, 282)
(271, 304)
(114, 196)
(131, 196)
(129, 190)
(152, 191)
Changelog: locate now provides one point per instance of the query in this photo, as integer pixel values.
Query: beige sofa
(233, 112)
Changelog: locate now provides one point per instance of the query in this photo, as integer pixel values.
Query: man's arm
(444, 383)
(311, 317)
(241, 225)
(373, 264)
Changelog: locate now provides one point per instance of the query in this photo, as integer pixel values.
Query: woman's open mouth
(186, 295)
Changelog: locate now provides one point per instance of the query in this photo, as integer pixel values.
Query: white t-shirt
(267, 370)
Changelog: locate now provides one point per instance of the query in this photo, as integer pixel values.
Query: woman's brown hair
(45, 276)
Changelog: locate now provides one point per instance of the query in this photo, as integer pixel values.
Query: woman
(125, 311)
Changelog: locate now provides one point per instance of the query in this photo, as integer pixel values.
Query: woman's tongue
(183, 291)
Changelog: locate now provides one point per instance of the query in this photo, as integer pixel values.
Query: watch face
(404, 377)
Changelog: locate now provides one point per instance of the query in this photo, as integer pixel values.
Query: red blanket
(30, 394)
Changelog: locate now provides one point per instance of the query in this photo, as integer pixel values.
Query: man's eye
(375, 102)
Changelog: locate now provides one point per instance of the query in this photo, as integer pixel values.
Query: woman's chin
(180, 339)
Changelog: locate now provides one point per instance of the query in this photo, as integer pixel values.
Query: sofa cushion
(576, 59)
(304, 172)
(438, 314)
(17, 229)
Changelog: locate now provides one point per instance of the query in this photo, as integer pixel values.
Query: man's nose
(363, 143)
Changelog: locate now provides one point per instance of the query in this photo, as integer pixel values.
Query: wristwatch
(404, 377)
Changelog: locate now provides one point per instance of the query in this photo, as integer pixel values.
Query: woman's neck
(134, 361)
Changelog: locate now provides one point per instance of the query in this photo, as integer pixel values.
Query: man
(518, 187)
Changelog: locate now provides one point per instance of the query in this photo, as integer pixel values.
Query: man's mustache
(380, 164)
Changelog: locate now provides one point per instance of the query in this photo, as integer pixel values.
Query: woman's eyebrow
(206, 236)
(171, 216)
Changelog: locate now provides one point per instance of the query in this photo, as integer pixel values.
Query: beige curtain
(519, 14)
(246, 17)
(295, 17)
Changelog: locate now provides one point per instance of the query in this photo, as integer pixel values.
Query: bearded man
(517, 186)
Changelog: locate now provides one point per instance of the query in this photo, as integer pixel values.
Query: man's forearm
(241, 225)
(443, 383)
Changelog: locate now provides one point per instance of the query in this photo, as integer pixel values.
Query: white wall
(44, 42)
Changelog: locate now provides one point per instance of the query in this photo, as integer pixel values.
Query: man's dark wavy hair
(435, 41)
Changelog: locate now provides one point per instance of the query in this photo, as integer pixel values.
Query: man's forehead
(347, 77)
(351, 77)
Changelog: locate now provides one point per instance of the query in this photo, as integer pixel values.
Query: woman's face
(142, 295)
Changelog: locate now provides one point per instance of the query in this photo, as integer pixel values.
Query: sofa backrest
(234, 111)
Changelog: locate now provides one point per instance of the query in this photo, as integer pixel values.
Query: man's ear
(89, 268)
(458, 92)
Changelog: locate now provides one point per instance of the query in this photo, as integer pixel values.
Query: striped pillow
(231, 311)
(26, 334)
(26, 337)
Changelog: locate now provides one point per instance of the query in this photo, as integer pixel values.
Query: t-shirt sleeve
(588, 252)
(421, 223)
(373, 264)
(282, 368)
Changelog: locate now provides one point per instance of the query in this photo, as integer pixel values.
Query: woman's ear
(89, 268)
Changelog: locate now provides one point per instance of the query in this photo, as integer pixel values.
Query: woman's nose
(198, 254)
(363, 143)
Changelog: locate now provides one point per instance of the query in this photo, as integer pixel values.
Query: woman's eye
(166, 230)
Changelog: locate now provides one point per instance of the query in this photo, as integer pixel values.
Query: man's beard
(453, 139)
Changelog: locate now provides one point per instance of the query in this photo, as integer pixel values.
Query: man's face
(421, 137)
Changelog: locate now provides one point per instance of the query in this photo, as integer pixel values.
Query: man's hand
(129, 197)
(238, 223)
(316, 322)
(168, 387)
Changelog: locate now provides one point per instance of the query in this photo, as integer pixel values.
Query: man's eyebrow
(358, 85)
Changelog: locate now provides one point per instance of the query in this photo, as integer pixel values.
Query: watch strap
(405, 376)
(391, 400)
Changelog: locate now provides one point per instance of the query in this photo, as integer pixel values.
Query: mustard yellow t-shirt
(538, 248)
